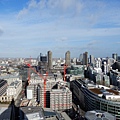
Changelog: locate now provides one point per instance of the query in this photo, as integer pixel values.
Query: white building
(14, 89)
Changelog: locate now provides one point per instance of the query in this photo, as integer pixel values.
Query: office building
(43, 64)
(67, 58)
(49, 59)
(97, 97)
(92, 61)
(61, 99)
(85, 58)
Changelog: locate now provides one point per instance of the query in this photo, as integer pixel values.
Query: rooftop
(32, 113)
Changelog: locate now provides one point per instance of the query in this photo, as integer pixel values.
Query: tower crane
(44, 78)
(65, 67)
(29, 76)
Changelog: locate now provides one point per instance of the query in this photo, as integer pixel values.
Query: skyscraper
(67, 58)
(49, 59)
(85, 58)
(92, 59)
(81, 57)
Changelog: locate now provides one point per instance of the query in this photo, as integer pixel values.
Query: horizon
(30, 27)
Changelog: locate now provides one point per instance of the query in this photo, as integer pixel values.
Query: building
(36, 90)
(98, 115)
(3, 87)
(38, 113)
(42, 64)
(10, 77)
(115, 56)
(49, 59)
(31, 113)
(92, 60)
(81, 57)
(67, 58)
(97, 97)
(14, 89)
(61, 99)
(85, 58)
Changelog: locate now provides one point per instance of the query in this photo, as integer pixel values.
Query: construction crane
(44, 78)
(29, 76)
(65, 67)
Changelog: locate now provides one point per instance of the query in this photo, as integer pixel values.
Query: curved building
(90, 100)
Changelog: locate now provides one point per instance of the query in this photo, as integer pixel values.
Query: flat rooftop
(100, 91)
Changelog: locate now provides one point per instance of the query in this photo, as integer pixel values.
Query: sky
(31, 27)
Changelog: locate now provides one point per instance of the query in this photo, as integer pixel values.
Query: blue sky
(28, 27)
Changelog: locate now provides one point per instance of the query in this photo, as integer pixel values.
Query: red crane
(29, 76)
(44, 78)
(65, 67)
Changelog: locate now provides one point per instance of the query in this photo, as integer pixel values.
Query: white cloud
(1, 32)
(53, 7)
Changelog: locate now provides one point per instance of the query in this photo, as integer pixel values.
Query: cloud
(62, 39)
(92, 43)
(1, 32)
(53, 7)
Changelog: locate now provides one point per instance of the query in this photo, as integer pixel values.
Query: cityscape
(60, 60)
(83, 88)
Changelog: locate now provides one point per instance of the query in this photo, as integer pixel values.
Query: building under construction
(59, 98)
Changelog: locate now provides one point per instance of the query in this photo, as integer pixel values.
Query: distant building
(43, 63)
(118, 58)
(115, 56)
(67, 58)
(81, 58)
(92, 61)
(85, 58)
(49, 59)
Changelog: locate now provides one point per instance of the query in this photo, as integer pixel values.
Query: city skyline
(30, 27)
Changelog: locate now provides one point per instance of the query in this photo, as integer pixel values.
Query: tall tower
(85, 58)
(67, 58)
(49, 59)
(92, 59)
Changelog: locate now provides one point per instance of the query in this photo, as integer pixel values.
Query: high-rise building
(67, 58)
(115, 56)
(81, 57)
(92, 59)
(49, 59)
(85, 58)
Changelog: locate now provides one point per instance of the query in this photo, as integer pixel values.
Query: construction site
(46, 88)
